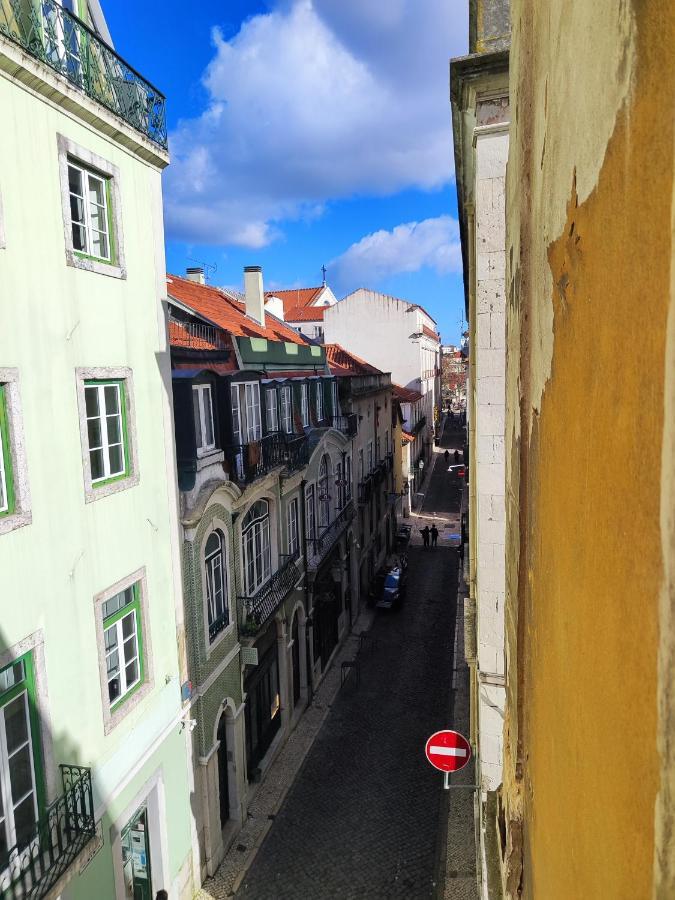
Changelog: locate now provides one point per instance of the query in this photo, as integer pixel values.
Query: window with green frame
(7, 504)
(21, 781)
(105, 405)
(123, 642)
(91, 213)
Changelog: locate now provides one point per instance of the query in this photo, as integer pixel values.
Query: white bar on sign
(448, 751)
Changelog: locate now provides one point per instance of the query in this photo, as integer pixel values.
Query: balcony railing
(348, 425)
(195, 335)
(320, 547)
(56, 37)
(265, 602)
(256, 458)
(33, 868)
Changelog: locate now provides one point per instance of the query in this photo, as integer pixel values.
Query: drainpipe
(308, 656)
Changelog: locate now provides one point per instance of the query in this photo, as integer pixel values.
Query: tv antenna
(210, 269)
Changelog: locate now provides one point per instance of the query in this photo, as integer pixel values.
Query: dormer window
(203, 415)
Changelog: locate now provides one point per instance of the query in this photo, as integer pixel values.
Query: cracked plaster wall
(589, 248)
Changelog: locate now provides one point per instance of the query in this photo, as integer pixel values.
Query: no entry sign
(448, 751)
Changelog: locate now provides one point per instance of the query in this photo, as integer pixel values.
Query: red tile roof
(295, 297)
(180, 337)
(341, 362)
(408, 438)
(405, 395)
(304, 313)
(227, 313)
(431, 333)
(220, 368)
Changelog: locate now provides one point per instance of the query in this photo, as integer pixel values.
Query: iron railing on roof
(265, 602)
(32, 868)
(62, 41)
(319, 547)
(194, 335)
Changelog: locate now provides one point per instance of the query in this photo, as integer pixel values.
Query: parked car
(393, 589)
(403, 533)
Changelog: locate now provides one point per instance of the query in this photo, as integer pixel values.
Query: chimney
(255, 296)
(196, 274)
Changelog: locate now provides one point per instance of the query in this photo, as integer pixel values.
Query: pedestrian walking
(425, 535)
(456, 456)
(434, 535)
(446, 456)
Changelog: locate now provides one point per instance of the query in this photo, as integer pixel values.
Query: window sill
(94, 265)
(209, 458)
(219, 638)
(17, 519)
(96, 491)
(113, 717)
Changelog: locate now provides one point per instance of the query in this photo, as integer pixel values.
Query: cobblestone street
(366, 816)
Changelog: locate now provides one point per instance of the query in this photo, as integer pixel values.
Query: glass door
(136, 858)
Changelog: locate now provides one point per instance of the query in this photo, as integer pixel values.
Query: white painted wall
(492, 144)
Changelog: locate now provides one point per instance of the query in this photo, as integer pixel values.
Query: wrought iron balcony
(348, 425)
(31, 869)
(263, 604)
(320, 547)
(62, 41)
(255, 459)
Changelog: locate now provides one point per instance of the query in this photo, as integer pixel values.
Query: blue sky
(308, 132)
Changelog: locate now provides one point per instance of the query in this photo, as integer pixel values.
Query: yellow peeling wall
(589, 239)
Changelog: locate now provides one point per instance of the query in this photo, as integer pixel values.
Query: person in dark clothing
(446, 456)
(456, 456)
(425, 535)
(162, 895)
(434, 535)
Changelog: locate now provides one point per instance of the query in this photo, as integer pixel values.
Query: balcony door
(255, 536)
(237, 430)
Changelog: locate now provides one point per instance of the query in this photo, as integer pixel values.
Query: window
(271, 410)
(89, 212)
(348, 478)
(309, 512)
(123, 643)
(370, 456)
(377, 450)
(6, 479)
(253, 421)
(19, 755)
(106, 430)
(361, 473)
(202, 405)
(324, 495)
(340, 485)
(286, 410)
(216, 584)
(255, 533)
(319, 401)
(293, 534)
(304, 409)
(334, 395)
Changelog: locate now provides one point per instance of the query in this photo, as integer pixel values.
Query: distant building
(399, 337)
(302, 308)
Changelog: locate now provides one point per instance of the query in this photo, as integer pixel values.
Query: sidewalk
(281, 775)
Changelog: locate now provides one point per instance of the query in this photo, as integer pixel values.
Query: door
(295, 635)
(222, 773)
(136, 857)
(236, 431)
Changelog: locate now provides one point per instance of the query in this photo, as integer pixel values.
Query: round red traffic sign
(448, 751)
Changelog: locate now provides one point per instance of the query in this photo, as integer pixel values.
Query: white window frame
(71, 153)
(304, 405)
(200, 394)
(319, 401)
(210, 572)
(9, 806)
(99, 387)
(125, 686)
(99, 489)
(16, 461)
(114, 713)
(287, 409)
(253, 417)
(271, 409)
(88, 178)
(310, 511)
(336, 404)
(293, 527)
(257, 565)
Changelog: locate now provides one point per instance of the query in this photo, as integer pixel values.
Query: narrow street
(367, 816)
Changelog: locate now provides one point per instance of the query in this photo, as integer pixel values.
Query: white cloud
(316, 100)
(432, 243)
